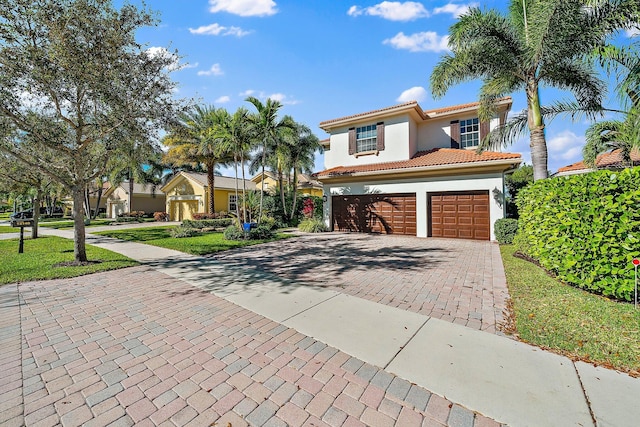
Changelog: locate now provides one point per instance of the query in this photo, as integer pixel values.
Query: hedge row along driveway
(585, 229)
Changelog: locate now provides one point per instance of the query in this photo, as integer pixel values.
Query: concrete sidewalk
(503, 379)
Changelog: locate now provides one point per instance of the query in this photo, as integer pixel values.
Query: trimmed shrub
(161, 216)
(259, 233)
(269, 222)
(208, 223)
(505, 229)
(183, 231)
(232, 232)
(122, 219)
(585, 229)
(312, 225)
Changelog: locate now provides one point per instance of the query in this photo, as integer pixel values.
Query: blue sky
(326, 59)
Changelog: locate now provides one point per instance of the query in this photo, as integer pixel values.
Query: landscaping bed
(570, 321)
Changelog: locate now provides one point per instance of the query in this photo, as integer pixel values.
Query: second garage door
(375, 213)
(460, 215)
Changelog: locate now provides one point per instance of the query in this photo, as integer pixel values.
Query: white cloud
(633, 32)
(282, 98)
(185, 66)
(162, 52)
(215, 70)
(566, 146)
(419, 42)
(454, 9)
(222, 100)
(416, 93)
(392, 10)
(244, 7)
(248, 92)
(219, 30)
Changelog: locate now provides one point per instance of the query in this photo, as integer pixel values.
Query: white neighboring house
(146, 197)
(403, 170)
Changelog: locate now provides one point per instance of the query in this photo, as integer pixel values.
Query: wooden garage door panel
(375, 213)
(462, 215)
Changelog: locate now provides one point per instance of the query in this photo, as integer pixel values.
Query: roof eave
(412, 170)
(392, 111)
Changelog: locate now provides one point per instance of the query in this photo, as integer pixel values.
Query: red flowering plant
(308, 208)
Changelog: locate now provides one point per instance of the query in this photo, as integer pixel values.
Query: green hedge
(505, 229)
(585, 229)
(206, 223)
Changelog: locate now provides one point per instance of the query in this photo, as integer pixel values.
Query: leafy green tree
(267, 130)
(194, 140)
(538, 42)
(613, 134)
(515, 182)
(75, 84)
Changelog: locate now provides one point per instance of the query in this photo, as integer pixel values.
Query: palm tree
(301, 156)
(193, 141)
(236, 139)
(266, 128)
(539, 42)
(618, 134)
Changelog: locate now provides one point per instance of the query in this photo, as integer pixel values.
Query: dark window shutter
(455, 134)
(484, 130)
(352, 140)
(380, 136)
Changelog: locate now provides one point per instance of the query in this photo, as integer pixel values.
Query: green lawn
(570, 321)
(198, 245)
(41, 256)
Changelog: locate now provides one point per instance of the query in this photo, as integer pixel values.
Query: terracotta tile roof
(435, 157)
(453, 108)
(610, 160)
(381, 110)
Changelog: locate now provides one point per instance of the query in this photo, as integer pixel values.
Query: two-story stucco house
(403, 170)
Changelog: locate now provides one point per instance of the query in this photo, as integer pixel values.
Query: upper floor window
(469, 133)
(366, 138)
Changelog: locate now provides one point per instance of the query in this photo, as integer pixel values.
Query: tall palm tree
(193, 141)
(618, 134)
(236, 137)
(301, 156)
(539, 42)
(266, 128)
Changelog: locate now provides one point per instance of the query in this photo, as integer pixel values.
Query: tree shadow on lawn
(324, 260)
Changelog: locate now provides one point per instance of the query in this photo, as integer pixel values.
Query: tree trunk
(36, 214)
(264, 154)
(295, 192)
(537, 142)
(130, 193)
(235, 159)
(99, 198)
(244, 191)
(79, 248)
(211, 184)
(282, 194)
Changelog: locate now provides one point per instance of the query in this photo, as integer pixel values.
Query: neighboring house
(403, 170)
(611, 160)
(307, 186)
(146, 197)
(187, 193)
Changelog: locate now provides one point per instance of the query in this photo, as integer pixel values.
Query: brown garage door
(375, 213)
(459, 215)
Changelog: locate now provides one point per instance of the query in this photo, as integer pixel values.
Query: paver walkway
(460, 281)
(140, 347)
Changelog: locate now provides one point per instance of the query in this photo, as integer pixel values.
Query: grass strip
(42, 256)
(206, 243)
(570, 321)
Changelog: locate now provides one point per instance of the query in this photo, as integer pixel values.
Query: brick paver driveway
(461, 281)
(139, 347)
